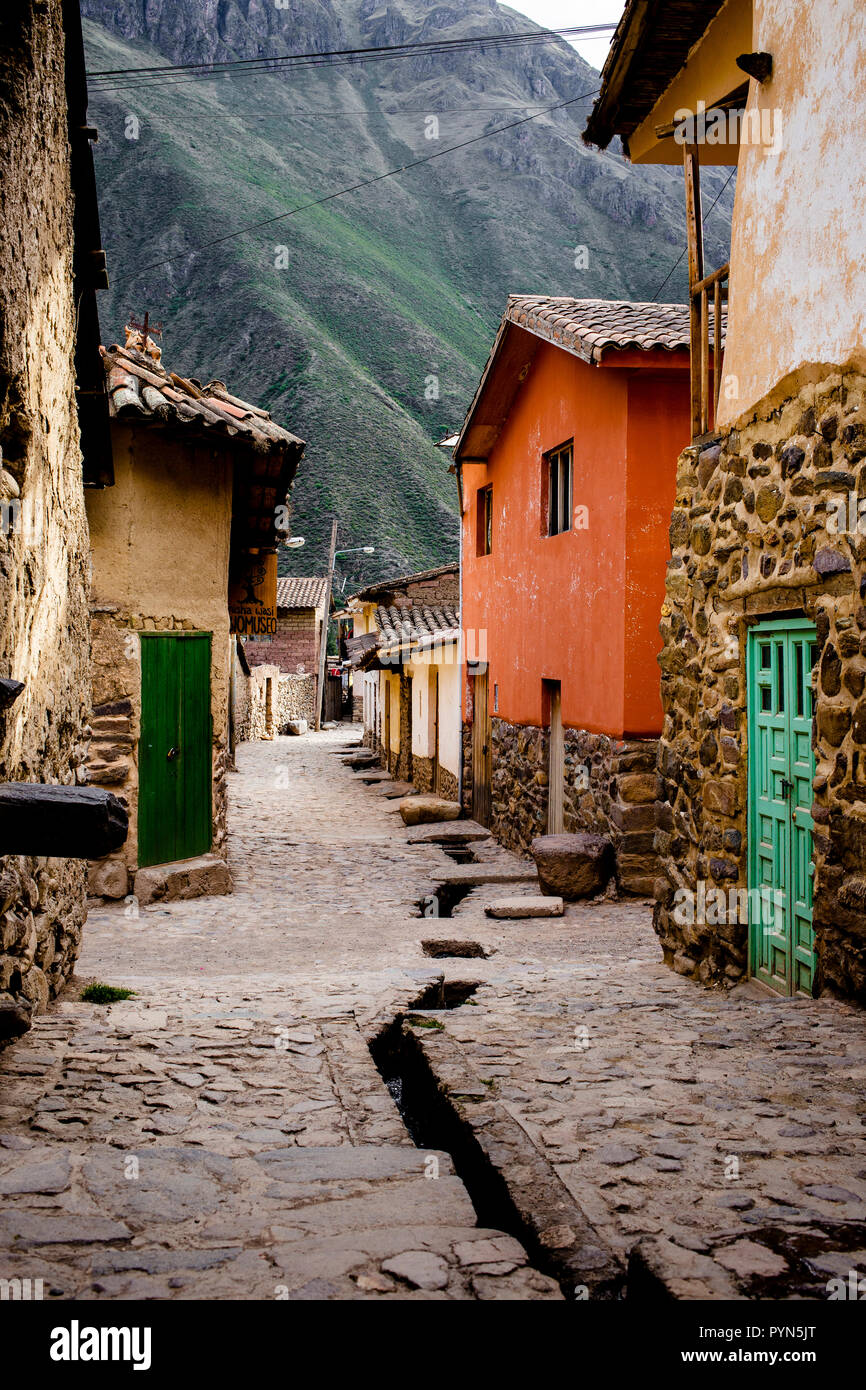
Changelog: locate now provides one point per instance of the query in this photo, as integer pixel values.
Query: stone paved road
(225, 1134)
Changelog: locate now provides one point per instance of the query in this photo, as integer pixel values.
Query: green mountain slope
(361, 324)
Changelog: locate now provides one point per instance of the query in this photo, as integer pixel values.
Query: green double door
(174, 763)
(781, 770)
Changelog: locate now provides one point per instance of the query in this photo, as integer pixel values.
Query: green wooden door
(781, 769)
(174, 762)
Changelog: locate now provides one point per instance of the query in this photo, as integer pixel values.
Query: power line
(386, 49)
(172, 75)
(365, 183)
(685, 248)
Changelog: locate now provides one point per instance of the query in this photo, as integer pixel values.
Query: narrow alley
(225, 1133)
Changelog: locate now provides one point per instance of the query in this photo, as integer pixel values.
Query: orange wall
(583, 607)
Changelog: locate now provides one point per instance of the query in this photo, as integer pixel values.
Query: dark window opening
(484, 532)
(559, 487)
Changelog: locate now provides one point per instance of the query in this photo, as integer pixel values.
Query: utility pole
(326, 623)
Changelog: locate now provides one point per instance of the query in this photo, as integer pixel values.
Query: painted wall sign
(253, 593)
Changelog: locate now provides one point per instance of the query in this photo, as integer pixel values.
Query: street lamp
(294, 542)
(332, 557)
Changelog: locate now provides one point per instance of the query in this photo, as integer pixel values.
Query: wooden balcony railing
(701, 286)
(699, 295)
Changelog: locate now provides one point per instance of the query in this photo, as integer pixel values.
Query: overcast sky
(557, 14)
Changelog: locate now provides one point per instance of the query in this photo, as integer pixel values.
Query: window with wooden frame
(484, 521)
(559, 467)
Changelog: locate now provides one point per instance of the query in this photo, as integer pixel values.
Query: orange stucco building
(567, 471)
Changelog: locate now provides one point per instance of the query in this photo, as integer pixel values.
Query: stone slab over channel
(225, 1133)
(527, 906)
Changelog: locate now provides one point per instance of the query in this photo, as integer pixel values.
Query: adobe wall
(145, 581)
(43, 569)
(755, 535)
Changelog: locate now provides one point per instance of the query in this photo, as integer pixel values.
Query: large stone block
(573, 866)
(638, 787)
(109, 878)
(426, 810)
(188, 878)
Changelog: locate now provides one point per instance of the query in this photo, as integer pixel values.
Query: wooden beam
(694, 234)
(9, 691)
(62, 822)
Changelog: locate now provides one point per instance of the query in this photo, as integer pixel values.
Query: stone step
(447, 831)
(186, 878)
(525, 907)
(478, 874)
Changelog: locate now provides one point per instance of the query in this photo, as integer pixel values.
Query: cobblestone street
(226, 1133)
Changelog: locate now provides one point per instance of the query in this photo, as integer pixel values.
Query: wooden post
(717, 347)
(705, 360)
(326, 623)
(694, 233)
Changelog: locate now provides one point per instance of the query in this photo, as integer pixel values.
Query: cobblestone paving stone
(225, 1133)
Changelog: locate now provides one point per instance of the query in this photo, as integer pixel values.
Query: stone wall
(292, 697)
(263, 722)
(402, 768)
(755, 534)
(43, 568)
(422, 773)
(297, 699)
(610, 788)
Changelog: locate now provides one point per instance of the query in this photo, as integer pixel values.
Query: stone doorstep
(525, 907)
(186, 878)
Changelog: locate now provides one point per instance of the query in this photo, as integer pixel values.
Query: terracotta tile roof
(414, 624)
(302, 593)
(586, 328)
(140, 389)
(385, 586)
(589, 327)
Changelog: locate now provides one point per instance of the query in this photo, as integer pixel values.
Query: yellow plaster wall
(160, 554)
(798, 254)
(709, 75)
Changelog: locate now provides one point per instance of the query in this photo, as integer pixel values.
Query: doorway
(434, 728)
(781, 769)
(481, 752)
(174, 761)
(552, 700)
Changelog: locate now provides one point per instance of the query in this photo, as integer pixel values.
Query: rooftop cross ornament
(145, 329)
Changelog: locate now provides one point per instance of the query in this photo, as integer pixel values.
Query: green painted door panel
(781, 770)
(174, 794)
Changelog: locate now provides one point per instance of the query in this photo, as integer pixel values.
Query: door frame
(433, 696)
(791, 625)
(552, 714)
(482, 759)
(183, 635)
